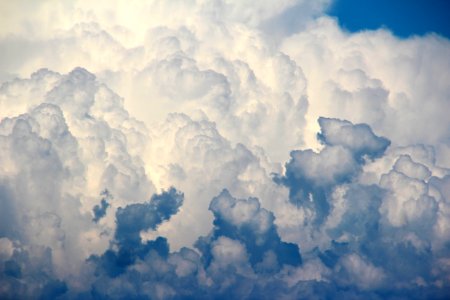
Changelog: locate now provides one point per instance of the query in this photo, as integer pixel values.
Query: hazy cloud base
(220, 149)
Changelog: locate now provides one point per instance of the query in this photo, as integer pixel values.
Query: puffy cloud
(243, 248)
(375, 78)
(215, 97)
(171, 67)
(409, 201)
(150, 215)
(246, 221)
(373, 225)
(56, 152)
(131, 220)
(365, 275)
(29, 273)
(101, 133)
(359, 139)
(311, 176)
(411, 169)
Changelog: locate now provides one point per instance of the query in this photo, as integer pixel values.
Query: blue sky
(403, 17)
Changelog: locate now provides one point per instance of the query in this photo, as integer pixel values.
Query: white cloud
(138, 96)
(363, 273)
(376, 78)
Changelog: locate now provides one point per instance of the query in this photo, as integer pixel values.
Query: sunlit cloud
(220, 149)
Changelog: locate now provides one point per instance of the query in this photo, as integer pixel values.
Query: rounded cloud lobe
(225, 149)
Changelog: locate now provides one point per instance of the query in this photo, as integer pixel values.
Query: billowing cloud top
(220, 149)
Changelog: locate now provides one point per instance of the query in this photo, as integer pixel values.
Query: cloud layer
(225, 149)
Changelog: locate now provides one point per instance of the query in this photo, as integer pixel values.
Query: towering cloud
(220, 149)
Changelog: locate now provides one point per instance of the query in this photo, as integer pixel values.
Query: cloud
(358, 138)
(131, 220)
(308, 161)
(100, 210)
(167, 66)
(246, 221)
(312, 176)
(243, 247)
(55, 156)
(150, 215)
(375, 78)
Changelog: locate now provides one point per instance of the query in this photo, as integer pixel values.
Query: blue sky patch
(404, 18)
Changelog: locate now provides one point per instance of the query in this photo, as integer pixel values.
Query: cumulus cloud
(130, 221)
(246, 221)
(375, 78)
(224, 149)
(312, 176)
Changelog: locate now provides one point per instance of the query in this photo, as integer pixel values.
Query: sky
(404, 18)
(194, 149)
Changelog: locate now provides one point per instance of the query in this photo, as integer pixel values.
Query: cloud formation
(225, 149)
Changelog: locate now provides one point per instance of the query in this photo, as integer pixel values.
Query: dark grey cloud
(99, 210)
